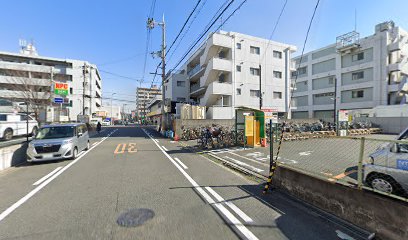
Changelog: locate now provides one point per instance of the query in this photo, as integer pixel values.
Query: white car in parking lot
(12, 124)
(105, 123)
(387, 168)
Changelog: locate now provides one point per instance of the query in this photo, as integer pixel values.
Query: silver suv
(59, 141)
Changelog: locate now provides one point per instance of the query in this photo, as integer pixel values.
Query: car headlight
(67, 142)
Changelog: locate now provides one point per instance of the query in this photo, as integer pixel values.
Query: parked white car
(16, 125)
(387, 168)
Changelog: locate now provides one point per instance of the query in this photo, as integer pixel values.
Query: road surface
(166, 190)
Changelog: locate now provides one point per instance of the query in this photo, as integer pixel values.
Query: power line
(274, 28)
(202, 35)
(148, 39)
(188, 28)
(118, 75)
(184, 25)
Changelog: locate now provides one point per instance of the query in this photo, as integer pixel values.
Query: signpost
(58, 100)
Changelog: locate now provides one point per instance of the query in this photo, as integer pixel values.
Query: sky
(112, 33)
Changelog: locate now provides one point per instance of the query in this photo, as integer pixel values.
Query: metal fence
(364, 163)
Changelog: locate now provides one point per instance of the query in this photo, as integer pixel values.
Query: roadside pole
(27, 121)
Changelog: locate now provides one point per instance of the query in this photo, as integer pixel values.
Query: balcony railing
(194, 70)
(194, 87)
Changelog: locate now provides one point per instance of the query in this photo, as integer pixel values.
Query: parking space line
(244, 164)
(181, 163)
(165, 149)
(46, 176)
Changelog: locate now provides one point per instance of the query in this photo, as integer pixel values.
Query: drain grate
(135, 217)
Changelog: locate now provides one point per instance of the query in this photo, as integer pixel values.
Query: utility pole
(150, 24)
(335, 105)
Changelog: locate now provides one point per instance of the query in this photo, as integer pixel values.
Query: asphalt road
(187, 196)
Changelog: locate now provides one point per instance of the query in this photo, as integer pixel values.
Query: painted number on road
(123, 147)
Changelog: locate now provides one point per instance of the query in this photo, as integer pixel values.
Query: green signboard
(61, 92)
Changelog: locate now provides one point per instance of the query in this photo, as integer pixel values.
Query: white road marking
(307, 153)
(250, 159)
(234, 208)
(46, 176)
(344, 236)
(17, 204)
(94, 143)
(156, 140)
(233, 220)
(181, 163)
(245, 165)
(164, 147)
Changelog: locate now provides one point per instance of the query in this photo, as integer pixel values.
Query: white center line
(181, 163)
(42, 185)
(46, 176)
(234, 208)
(165, 149)
(231, 218)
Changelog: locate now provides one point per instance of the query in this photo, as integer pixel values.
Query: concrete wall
(346, 96)
(347, 60)
(384, 216)
(324, 66)
(347, 78)
(324, 82)
(12, 155)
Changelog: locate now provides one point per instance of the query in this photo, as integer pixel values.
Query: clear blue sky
(104, 32)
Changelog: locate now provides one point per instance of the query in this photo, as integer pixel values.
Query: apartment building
(232, 70)
(358, 74)
(143, 97)
(25, 76)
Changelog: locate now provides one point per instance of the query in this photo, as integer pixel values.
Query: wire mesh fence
(378, 165)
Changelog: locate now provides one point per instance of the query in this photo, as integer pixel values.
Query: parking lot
(334, 159)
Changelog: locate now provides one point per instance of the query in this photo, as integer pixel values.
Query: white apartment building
(233, 70)
(360, 74)
(143, 97)
(29, 76)
(176, 87)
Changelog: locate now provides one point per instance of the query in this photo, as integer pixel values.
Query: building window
(180, 84)
(221, 78)
(70, 91)
(277, 74)
(255, 50)
(254, 71)
(238, 45)
(277, 95)
(331, 80)
(302, 70)
(238, 91)
(277, 54)
(357, 94)
(70, 103)
(357, 75)
(357, 57)
(254, 93)
(166, 88)
(181, 99)
(324, 94)
(238, 68)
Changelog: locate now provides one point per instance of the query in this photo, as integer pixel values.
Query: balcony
(194, 70)
(215, 66)
(213, 45)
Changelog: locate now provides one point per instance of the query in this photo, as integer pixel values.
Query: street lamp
(112, 109)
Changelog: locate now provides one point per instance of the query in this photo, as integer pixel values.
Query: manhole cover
(135, 217)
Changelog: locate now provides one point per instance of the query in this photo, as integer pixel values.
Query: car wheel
(88, 146)
(384, 183)
(8, 134)
(34, 131)
(74, 153)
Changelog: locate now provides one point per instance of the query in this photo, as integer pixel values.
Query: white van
(387, 168)
(16, 125)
